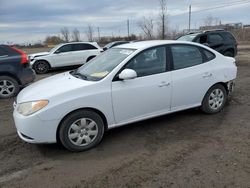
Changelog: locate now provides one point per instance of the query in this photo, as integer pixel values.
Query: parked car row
(128, 83)
(15, 71)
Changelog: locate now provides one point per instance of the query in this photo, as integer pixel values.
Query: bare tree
(163, 19)
(65, 34)
(90, 33)
(75, 35)
(147, 27)
(53, 40)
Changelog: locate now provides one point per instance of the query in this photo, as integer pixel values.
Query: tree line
(150, 28)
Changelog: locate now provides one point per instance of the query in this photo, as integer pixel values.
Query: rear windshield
(229, 36)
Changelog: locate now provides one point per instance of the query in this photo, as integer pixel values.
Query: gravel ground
(185, 149)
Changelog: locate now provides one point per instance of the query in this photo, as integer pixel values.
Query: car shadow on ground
(146, 134)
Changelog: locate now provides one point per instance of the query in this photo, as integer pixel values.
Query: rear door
(84, 51)
(192, 76)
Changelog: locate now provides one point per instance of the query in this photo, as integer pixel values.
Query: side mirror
(105, 48)
(127, 74)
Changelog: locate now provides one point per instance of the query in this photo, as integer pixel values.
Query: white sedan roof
(151, 43)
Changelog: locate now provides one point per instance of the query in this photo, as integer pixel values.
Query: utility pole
(163, 26)
(128, 27)
(99, 37)
(189, 22)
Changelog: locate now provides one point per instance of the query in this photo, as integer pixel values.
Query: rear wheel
(9, 87)
(81, 130)
(214, 100)
(41, 67)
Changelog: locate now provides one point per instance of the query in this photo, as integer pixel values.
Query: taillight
(24, 57)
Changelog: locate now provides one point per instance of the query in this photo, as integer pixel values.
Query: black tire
(41, 67)
(212, 105)
(66, 129)
(89, 58)
(9, 87)
(228, 53)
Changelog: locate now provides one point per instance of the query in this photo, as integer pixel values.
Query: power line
(222, 6)
(215, 2)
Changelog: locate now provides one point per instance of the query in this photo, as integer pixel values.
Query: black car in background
(15, 71)
(219, 40)
(115, 43)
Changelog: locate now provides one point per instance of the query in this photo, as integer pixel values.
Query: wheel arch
(90, 57)
(230, 50)
(36, 61)
(88, 108)
(224, 84)
(12, 76)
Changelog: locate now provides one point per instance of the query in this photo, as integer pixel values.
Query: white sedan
(63, 55)
(125, 84)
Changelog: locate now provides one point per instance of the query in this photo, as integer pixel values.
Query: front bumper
(32, 129)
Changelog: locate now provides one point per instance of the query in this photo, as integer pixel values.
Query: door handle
(164, 84)
(207, 75)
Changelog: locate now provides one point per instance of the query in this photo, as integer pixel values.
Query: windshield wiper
(79, 75)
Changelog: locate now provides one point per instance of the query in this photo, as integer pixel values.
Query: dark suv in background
(15, 71)
(219, 40)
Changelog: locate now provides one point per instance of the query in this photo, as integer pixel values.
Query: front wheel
(41, 67)
(81, 130)
(214, 100)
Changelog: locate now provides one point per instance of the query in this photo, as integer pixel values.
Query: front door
(64, 56)
(148, 94)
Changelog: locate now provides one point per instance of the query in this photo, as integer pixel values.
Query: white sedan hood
(51, 87)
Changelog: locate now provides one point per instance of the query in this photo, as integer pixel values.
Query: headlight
(29, 108)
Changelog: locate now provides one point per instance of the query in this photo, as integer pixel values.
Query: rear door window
(208, 56)
(214, 38)
(79, 47)
(185, 56)
(229, 36)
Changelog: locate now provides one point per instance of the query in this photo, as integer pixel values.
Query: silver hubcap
(7, 88)
(83, 132)
(41, 66)
(216, 99)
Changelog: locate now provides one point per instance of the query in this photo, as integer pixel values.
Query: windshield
(102, 65)
(187, 37)
(55, 48)
(109, 45)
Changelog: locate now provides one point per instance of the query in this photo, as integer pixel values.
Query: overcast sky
(25, 21)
